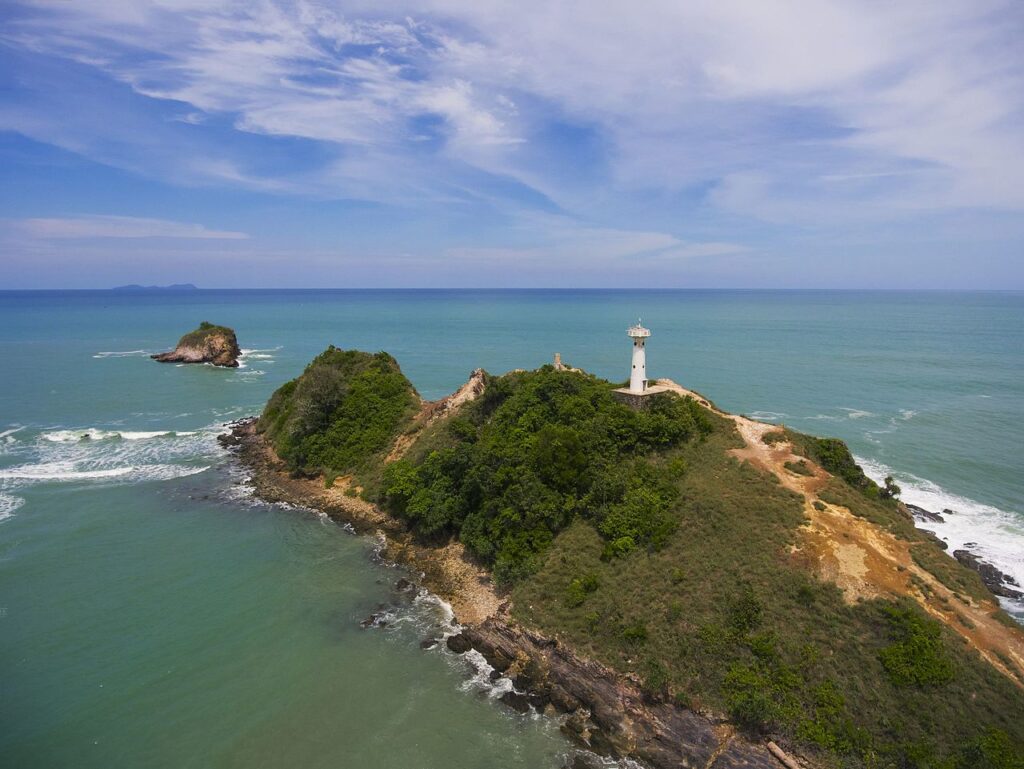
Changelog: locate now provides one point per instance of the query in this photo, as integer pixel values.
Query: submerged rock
(377, 619)
(994, 579)
(207, 344)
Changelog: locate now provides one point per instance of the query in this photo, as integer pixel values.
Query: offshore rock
(207, 344)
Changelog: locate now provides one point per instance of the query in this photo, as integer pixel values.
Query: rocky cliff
(207, 344)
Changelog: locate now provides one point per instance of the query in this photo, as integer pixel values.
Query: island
(674, 583)
(172, 287)
(209, 343)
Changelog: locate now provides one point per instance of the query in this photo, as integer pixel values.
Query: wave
(8, 504)
(69, 471)
(856, 413)
(995, 535)
(97, 434)
(767, 416)
(124, 354)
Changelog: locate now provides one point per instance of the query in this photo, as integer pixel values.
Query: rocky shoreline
(998, 582)
(600, 710)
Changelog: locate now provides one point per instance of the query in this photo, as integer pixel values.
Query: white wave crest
(857, 413)
(8, 504)
(995, 535)
(123, 354)
(767, 416)
(97, 434)
(69, 471)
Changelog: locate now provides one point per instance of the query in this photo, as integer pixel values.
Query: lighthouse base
(638, 401)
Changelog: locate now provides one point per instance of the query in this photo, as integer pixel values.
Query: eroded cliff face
(207, 344)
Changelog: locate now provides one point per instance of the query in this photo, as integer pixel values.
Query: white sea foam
(8, 504)
(123, 354)
(97, 434)
(8, 433)
(856, 413)
(69, 471)
(995, 535)
(767, 416)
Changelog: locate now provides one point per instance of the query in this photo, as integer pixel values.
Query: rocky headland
(209, 343)
(578, 636)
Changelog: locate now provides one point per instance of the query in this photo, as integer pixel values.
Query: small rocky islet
(209, 343)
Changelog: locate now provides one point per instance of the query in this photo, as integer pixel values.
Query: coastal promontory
(673, 583)
(207, 344)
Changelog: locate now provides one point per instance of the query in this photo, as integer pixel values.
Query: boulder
(459, 643)
(518, 702)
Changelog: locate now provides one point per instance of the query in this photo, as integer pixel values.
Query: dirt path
(865, 560)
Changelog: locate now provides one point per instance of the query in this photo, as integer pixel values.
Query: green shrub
(917, 656)
(346, 408)
(536, 450)
(799, 468)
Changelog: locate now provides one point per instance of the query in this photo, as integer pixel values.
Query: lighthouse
(638, 374)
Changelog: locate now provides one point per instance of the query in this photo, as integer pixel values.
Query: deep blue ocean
(154, 614)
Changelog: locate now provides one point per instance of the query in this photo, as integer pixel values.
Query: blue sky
(438, 143)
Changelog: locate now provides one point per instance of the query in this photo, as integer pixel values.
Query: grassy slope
(720, 619)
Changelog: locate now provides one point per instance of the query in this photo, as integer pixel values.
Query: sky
(685, 143)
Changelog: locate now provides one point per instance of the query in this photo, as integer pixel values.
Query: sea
(154, 613)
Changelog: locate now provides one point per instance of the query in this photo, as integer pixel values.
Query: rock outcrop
(606, 712)
(994, 579)
(207, 344)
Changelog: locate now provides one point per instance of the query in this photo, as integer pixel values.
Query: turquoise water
(152, 613)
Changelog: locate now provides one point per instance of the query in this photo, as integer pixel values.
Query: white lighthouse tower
(638, 374)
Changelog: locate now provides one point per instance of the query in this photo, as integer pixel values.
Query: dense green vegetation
(195, 338)
(638, 538)
(535, 451)
(345, 409)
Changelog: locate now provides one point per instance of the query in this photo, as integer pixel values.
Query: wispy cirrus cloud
(89, 227)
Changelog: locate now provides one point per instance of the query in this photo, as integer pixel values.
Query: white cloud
(88, 227)
(760, 102)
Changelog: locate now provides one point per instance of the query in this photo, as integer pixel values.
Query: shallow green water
(154, 614)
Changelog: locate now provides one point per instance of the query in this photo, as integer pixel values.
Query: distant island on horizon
(171, 287)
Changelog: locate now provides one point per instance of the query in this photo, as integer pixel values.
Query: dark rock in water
(428, 643)
(404, 585)
(377, 619)
(538, 699)
(459, 644)
(947, 511)
(993, 578)
(207, 344)
(518, 702)
(494, 675)
(583, 761)
(924, 515)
